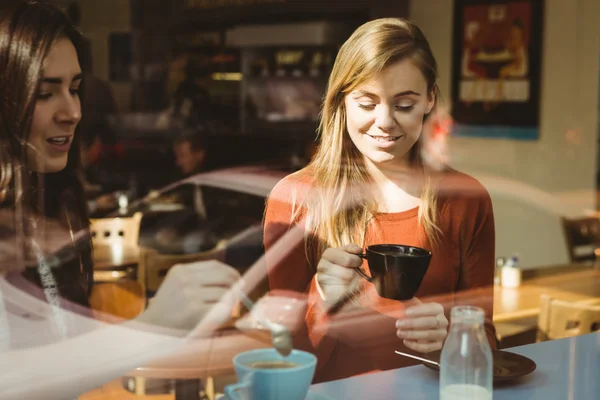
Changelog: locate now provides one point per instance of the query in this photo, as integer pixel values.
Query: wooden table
(202, 359)
(124, 299)
(579, 283)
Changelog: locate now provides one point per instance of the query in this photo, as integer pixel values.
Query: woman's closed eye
(43, 95)
(399, 107)
(47, 95)
(367, 106)
(404, 107)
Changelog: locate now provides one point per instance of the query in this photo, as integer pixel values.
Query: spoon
(280, 335)
(437, 364)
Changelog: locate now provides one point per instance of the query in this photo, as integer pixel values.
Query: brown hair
(28, 30)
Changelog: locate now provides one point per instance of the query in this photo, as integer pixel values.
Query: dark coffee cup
(396, 270)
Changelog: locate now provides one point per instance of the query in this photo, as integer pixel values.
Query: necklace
(50, 290)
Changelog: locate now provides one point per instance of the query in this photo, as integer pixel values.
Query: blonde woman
(368, 184)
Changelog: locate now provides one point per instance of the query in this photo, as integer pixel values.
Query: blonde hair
(337, 210)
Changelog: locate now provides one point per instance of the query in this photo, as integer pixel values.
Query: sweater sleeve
(476, 277)
(288, 267)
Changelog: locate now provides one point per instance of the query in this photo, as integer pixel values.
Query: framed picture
(496, 73)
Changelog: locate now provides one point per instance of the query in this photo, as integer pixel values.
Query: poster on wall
(497, 47)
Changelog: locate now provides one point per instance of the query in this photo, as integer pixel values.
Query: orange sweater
(461, 271)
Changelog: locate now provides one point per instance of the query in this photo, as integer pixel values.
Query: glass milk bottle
(466, 363)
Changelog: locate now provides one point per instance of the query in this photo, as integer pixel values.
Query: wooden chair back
(154, 266)
(119, 230)
(560, 319)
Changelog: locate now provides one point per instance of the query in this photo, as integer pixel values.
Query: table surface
(579, 283)
(566, 369)
(212, 357)
(201, 358)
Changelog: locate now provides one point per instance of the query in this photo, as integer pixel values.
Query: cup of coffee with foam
(264, 374)
(396, 270)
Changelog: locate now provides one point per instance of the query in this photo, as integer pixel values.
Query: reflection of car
(527, 219)
(223, 207)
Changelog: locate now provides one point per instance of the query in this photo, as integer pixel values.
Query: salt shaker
(466, 362)
(510, 274)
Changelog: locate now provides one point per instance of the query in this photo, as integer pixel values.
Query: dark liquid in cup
(273, 365)
(397, 253)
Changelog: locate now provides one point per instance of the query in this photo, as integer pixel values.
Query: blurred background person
(190, 152)
(185, 230)
(191, 106)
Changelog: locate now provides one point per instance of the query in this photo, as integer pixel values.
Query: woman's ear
(431, 98)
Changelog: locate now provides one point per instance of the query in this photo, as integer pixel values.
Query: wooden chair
(116, 291)
(560, 319)
(115, 231)
(154, 266)
(582, 236)
(152, 269)
(124, 231)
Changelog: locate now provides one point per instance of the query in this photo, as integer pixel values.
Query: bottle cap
(467, 314)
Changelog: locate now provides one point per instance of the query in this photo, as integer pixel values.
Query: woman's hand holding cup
(336, 275)
(424, 327)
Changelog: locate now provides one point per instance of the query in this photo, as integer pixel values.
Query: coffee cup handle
(361, 272)
(232, 391)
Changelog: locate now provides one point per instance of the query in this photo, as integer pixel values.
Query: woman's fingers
(330, 273)
(424, 328)
(211, 294)
(342, 257)
(423, 347)
(427, 335)
(336, 275)
(336, 266)
(205, 273)
(429, 322)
